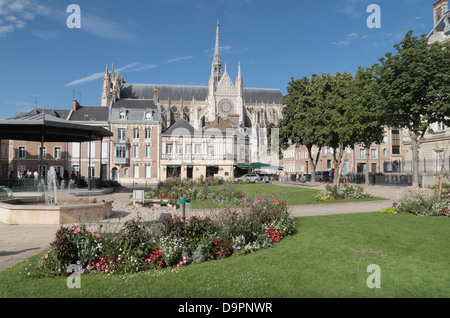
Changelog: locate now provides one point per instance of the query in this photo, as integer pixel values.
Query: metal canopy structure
(50, 129)
(47, 128)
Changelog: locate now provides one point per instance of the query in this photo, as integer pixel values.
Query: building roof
(90, 113)
(199, 93)
(135, 103)
(36, 127)
(442, 25)
(59, 113)
(181, 127)
(165, 92)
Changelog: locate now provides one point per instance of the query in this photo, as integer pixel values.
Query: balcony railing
(121, 160)
(190, 157)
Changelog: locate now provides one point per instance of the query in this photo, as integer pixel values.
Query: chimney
(75, 105)
(155, 95)
(439, 8)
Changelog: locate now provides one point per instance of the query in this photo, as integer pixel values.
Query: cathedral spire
(217, 64)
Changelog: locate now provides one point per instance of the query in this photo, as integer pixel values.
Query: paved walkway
(18, 242)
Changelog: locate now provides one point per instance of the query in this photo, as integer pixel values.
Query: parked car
(322, 176)
(252, 177)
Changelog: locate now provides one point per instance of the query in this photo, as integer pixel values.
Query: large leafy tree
(366, 114)
(303, 118)
(415, 86)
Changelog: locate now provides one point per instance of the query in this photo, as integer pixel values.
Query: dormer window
(122, 114)
(149, 115)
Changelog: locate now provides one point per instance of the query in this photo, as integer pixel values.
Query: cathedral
(201, 105)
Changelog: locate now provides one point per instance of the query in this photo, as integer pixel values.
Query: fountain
(58, 205)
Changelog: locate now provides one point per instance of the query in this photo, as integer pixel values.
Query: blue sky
(172, 42)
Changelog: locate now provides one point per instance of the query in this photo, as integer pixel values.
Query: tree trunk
(337, 164)
(313, 164)
(441, 175)
(366, 173)
(415, 158)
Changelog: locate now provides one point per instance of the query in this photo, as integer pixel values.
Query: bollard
(188, 207)
(183, 207)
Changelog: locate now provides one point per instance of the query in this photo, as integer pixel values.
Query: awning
(265, 166)
(173, 166)
(212, 166)
(243, 167)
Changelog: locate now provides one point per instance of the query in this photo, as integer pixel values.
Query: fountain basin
(35, 212)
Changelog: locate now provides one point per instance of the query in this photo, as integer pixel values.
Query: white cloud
(145, 67)
(178, 59)
(352, 36)
(341, 43)
(15, 13)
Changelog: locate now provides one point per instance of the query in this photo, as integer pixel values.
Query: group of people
(25, 175)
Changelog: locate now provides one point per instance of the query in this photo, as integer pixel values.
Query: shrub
(342, 191)
(259, 223)
(421, 201)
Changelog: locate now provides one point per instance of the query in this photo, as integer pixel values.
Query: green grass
(292, 195)
(328, 257)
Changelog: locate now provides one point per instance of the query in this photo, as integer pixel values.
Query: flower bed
(136, 247)
(198, 190)
(421, 201)
(342, 191)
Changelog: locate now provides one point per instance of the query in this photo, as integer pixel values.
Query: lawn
(292, 194)
(328, 257)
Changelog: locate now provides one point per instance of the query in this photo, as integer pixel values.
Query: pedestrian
(36, 179)
(332, 175)
(296, 178)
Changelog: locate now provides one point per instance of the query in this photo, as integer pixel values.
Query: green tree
(303, 118)
(366, 115)
(415, 86)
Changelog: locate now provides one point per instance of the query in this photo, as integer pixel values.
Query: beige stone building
(386, 157)
(434, 152)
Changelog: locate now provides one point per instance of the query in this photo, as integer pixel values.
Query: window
(127, 172)
(22, 153)
(136, 171)
(329, 164)
(148, 151)
(136, 133)
(57, 152)
(362, 153)
(439, 160)
(210, 150)
(121, 151)
(384, 153)
(75, 150)
(440, 126)
(92, 171)
(148, 172)
(148, 133)
(188, 149)
(179, 149)
(76, 169)
(346, 166)
(198, 149)
(149, 115)
(373, 154)
(122, 115)
(168, 148)
(135, 151)
(121, 134)
(43, 151)
(395, 142)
